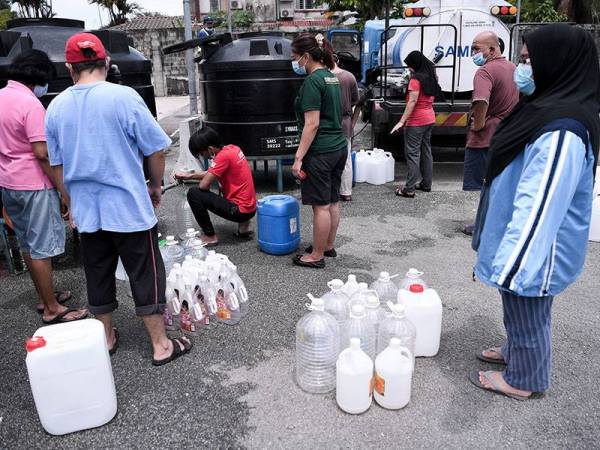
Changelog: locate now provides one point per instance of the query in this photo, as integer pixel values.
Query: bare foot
(311, 257)
(210, 239)
(503, 386)
(73, 315)
(112, 339)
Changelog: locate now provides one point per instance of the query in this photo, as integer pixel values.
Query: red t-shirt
(423, 113)
(232, 170)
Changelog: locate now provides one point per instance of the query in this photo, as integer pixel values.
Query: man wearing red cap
(98, 134)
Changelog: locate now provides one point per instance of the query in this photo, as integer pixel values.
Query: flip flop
(113, 350)
(474, 378)
(246, 235)
(176, 353)
(402, 192)
(329, 253)
(57, 294)
(210, 244)
(481, 357)
(60, 318)
(320, 264)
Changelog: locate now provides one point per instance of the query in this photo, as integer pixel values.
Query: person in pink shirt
(31, 193)
(418, 120)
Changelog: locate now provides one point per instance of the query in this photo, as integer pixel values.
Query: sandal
(60, 318)
(115, 346)
(320, 264)
(474, 378)
(246, 235)
(403, 192)
(329, 253)
(62, 297)
(419, 187)
(481, 357)
(176, 353)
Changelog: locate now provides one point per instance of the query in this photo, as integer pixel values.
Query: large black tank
(247, 92)
(51, 35)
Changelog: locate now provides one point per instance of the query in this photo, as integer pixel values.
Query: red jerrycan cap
(416, 288)
(34, 343)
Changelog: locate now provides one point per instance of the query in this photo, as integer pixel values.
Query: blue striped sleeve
(553, 166)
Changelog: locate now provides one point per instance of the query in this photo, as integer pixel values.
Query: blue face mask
(300, 70)
(479, 59)
(523, 78)
(40, 91)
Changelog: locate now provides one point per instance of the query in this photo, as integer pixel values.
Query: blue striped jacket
(532, 225)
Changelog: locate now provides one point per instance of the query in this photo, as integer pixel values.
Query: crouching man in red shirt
(230, 168)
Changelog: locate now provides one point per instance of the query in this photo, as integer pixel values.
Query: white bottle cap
(384, 276)
(372, 299)
(190, 231)
(414, 273)
(355, 342)
(363, 286)
(398, 309)
(395, 342)
(352, 278)
(335, 284)
(357, 312)
(317, 303)
(171, 240)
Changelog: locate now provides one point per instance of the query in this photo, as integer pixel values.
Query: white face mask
(40, 91)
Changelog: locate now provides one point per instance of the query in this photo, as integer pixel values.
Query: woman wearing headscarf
(533, 220)
(418, 118)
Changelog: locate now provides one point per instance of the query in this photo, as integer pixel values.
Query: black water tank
(247, 93)
(51, 35)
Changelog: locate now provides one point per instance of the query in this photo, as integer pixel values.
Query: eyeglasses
(524, 60)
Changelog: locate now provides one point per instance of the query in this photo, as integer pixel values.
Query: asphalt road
(236, 388)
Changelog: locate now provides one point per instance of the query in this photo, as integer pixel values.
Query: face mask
(523, 79)
(479, 59)
(40, 91)
(300, 70)
(210, 31)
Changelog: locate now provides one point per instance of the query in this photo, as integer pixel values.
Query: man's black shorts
(323, 177)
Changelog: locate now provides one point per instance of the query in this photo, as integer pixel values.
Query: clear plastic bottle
(188, 240)
(413, 276)
(198, 250)
(183, 215)
(208, 295)
(351, 286)
(239, 289)
(358, 326)
(374, 310)
(173, 253)
(317, 348)
(358, 298)
(385, 287)
(335, 301)
(228, 305)
(188, 316)
(396, 325)
(173, 307)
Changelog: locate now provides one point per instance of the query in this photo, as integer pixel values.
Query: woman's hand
(296, 168)
(399, 125)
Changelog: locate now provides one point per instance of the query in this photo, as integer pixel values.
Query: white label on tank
(293, 225)
(366, 49)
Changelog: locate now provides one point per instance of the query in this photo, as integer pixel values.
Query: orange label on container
(379, 384)
(371, 387)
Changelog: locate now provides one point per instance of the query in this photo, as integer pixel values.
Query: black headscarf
(565, 67)
(424, 71)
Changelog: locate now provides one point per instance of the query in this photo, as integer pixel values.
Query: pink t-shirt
(423, 113)
(21, 123)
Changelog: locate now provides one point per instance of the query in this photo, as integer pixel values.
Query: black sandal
(176, 353)
(403, 192)
(329, 253)
(60, 318)
(320, 264)
(419, 187)
(66, 296)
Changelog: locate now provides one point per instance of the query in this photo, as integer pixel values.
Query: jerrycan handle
(197, 313)
(175, 305)
(234, 304)
(406, 352)
(243, 294)
(211, 305)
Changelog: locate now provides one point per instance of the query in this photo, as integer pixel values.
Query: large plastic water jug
(278, 219)
(393, 376)
(360, 165)
(377, 167)
(335, 301)
(358, 298)
(358, 326)
(71, 376)
(424, 310)
(396, 325)
(374, 310)
(354, 379)
(390, 167)
(188, 239)
(183, 215)
(351, 286)
(385, 287)
(317, 348)
(595, 223)
(173, 253)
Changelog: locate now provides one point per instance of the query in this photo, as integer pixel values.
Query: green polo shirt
(321, 92)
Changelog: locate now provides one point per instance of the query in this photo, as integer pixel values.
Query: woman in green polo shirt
(321, 155)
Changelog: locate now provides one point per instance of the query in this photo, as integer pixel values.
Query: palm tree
(118, 10)
(33, 8)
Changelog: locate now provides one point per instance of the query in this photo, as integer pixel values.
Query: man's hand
(72, 223)
(186, 175)
(296, 168)
(399, 125)
(64, 208)
(155, 195)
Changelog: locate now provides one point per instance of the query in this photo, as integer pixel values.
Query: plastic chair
(6, 248)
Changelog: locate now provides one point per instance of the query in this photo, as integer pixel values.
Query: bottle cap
(352, 278)
(395, 342)
(416, 288)
(317, 303)
(171, 240)
(413, 273)
(384, 276)
(372, 299)
(335, 284)
(354, 342)
(398, 309)
(34, 343)
(190, 231)
(363, 286)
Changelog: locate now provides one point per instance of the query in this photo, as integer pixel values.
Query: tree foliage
(33, 8)
(367, 9)
(239, 18)
(5, 15)
(118, 10)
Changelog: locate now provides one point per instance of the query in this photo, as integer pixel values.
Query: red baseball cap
(76, 44)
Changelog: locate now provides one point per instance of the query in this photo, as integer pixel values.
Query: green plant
(33, 8)
(118, 10)
(239, 19)
(5, 16)
(367, 9)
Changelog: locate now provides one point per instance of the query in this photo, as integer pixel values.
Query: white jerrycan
(390, 167)
(71, 376)
(423, 308)
(361, 160)
(376, 167)
(393, 376)
(354, 379)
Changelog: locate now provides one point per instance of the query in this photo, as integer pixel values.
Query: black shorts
(142, 261)
(323, 177)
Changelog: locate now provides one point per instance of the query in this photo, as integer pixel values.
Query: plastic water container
(413, 276)
(173, 253)
(393, 376)
(374, 310)
(390, 167)
(278, 218)
(595, 223)
(354, 379)
(353, 156)
(396, 325)
(351, 286)
(198, 250)
(360, 163)
(377, 167)
(184, 216)
(358, 298)
(335, 301)
(188, 240)
(424, 310)
(239, 288)
(71, 376)
(358, 326)
(317, 348)
(385, 287)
